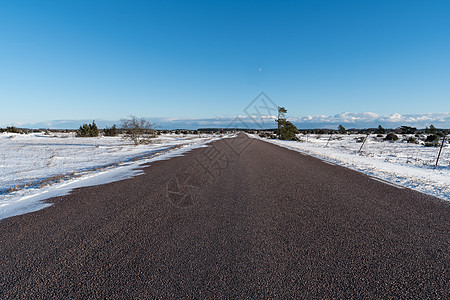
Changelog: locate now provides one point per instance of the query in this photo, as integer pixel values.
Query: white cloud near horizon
(370, 119)
(347, 119)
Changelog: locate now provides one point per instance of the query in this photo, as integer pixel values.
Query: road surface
(240, 219)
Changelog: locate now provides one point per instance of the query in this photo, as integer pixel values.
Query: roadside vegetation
(13, 129)
(113, 131)
(286, 130)
(88, 130)
(138, 130)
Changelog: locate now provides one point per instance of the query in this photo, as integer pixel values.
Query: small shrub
(431, 130)
(408, 130)
(88, 130)
(411, 140)
(391, 137)
(432, 138)
(381, 130)
(138, 130)
(267, 135)
(379, 135)
(431, 144)
(13, 129)
(111, 131)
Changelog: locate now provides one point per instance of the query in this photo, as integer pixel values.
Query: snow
(35, 167)
(400, 163)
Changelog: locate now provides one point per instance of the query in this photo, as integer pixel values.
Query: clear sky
(202, 59)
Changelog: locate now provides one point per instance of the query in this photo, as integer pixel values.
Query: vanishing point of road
(242, 218)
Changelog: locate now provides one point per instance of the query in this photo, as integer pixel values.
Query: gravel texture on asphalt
(240, 219)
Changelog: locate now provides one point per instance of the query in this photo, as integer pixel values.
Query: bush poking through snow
(408, 130)
(381, 130)
(432, 138)
(431, 144)
(13, 129)
(268, 135)
(391, 137)
(111, 131)
(88, 130)
(412, 140)
(432, 141)
(138, 130)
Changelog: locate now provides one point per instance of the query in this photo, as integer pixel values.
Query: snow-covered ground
(402, 163)
(34, 167)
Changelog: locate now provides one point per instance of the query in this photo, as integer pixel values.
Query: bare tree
(138, 130)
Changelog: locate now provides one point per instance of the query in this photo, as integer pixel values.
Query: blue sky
(203, 59)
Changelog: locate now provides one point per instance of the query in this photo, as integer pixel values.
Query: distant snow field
(404, 164)
(35, 167)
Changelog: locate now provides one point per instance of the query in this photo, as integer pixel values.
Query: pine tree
(286, 130)
(281, 118)
(381, 130)
(111, 131)
(433, 129)
(88, 130)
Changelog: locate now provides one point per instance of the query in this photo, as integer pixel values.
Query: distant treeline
(380, 130)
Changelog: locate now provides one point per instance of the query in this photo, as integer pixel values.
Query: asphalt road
(240, 219)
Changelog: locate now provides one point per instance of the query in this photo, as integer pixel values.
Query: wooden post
(440, 149)
(363, 142)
